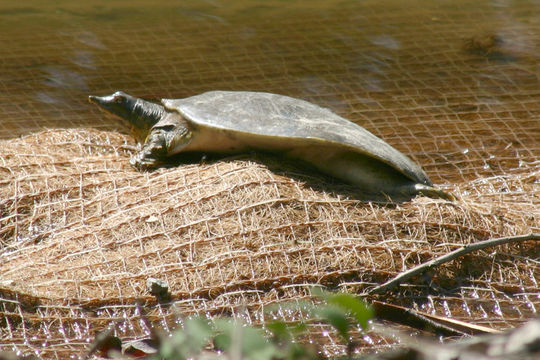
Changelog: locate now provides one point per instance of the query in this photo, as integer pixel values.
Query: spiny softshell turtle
(238, 121)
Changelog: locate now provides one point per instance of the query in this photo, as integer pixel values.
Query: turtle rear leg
(433, 192)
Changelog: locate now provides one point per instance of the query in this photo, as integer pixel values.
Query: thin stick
(427, 322)
(449, 257)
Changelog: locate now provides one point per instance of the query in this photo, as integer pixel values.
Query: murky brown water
(453, 84)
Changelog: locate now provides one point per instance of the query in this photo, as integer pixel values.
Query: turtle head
(141, 114)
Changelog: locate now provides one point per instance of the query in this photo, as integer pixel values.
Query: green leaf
(361, 311)
(252, 339)
(198, 333)
(172, 348)
(224, 329)
(283, 331)
(336, 317)
(222, 342)
(279, 330)
(301, 351)
(187, 342)
(268, 352)
(253, 344)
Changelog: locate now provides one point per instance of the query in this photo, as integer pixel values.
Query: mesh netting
(453, 86)
(82, 232)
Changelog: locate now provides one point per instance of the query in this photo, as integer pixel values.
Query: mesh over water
(81, 231)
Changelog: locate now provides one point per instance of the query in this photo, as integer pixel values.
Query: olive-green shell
(278, 116)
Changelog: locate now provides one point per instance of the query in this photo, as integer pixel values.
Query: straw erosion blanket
(81, 232)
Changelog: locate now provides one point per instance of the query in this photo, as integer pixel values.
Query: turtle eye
(118, 99)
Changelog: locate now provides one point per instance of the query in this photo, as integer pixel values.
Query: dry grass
(81, 231)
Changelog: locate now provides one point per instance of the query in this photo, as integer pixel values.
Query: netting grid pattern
(81, 231)
(86, 231)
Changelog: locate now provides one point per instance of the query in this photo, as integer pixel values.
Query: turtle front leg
(170, 136)
(153, 151)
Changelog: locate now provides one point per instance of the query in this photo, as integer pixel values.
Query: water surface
(454, 84)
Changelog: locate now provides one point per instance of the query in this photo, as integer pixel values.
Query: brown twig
(449, 257)
(427, 322)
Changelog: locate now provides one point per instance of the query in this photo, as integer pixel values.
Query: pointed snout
(103, 101)
(94, 99)
(119, 103)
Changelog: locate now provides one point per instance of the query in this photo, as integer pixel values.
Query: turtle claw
(141, 162)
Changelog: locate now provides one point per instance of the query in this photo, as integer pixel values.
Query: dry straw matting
(81, 232)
